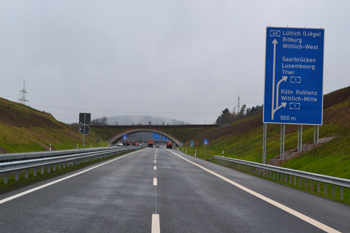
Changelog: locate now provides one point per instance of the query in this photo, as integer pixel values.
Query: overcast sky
(183, 59)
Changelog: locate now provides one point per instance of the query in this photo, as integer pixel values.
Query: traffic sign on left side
(84, 129)
(84, 118)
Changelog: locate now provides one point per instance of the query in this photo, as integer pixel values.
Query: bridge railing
(56, 162)
(293, 177)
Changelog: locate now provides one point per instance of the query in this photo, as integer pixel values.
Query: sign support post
(84, 131)
(300, 138)
(205, 142)
(283, 136)
(316, 134)
(84, 120)
(264, 143)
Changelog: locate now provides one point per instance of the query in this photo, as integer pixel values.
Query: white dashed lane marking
(155, 223)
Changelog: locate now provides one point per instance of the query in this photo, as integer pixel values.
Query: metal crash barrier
(53, 160)
(306, 180)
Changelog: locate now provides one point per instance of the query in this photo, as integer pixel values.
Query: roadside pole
(205, 142)
(84, 129)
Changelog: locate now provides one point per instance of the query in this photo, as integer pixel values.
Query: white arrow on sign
(274, 42)
(284, 79)
(275, 97)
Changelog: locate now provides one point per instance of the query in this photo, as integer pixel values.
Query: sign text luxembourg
(294, 76)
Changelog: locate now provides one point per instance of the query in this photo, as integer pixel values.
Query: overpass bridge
(176, 133)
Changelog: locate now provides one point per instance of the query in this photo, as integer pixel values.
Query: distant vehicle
(150, 143)
(157, 146)
(169, 145)
(119, 144)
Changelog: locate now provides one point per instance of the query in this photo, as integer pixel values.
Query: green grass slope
(24, 129)
(243, 140)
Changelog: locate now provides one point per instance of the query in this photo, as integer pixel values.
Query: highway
(160, 190)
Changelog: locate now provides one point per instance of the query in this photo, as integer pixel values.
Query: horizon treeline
(228, 117)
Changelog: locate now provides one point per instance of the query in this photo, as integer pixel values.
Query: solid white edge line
(155, 223)
(155, 182)
(268, 200)
(57, 181)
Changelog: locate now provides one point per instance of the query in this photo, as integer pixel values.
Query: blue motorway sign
(294, 76)
(181, 143)
(156, 136)
(164, 138)
(206, 141)
(125, 137)
(192, 143)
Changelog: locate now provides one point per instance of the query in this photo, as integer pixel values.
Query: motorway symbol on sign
(156, 136)
(84, 129)
(206, 141)
(181, 143)
(294, 76)
(192, 143)
(125, 137)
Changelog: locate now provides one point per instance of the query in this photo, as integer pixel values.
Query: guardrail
(44, 154)
(287, 175)
(59, 160)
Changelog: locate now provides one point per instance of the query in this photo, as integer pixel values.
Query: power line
(238, 106)
(23, 99)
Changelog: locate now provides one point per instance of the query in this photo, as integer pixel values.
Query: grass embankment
(24, 129)
(243, 140)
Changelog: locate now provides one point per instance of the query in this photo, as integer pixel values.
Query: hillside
(243, 140)
(24, 129)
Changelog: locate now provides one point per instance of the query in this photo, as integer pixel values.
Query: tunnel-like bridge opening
(119, 136)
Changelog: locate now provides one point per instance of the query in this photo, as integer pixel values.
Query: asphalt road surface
(159, 190)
